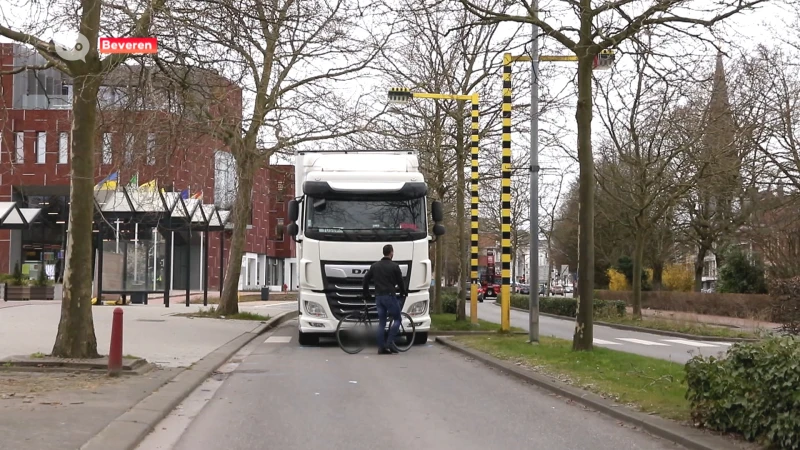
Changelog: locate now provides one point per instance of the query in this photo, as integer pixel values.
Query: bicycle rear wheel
(353, 333)
(406, 333)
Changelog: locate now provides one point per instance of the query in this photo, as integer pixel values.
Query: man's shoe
(384, 351)
(392, 348)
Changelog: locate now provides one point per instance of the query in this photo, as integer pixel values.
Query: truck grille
(343, 286)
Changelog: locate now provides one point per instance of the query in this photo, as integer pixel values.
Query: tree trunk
(463, 249)
(583, 337)
(698, 268)
(246, 168)
(658, 275)
(76, 337)
(638, 255)
(549, 267)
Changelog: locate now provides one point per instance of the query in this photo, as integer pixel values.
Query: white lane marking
(602, 342)
(278, 340)
(275, 304)
(643, 342)
(168, 432)
(690, 343)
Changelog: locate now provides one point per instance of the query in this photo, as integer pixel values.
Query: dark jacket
(386, 275)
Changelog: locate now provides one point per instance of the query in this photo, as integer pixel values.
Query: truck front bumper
(312, 320)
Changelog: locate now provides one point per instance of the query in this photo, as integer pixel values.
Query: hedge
(568, 306)
(742, 306)
(754, 391)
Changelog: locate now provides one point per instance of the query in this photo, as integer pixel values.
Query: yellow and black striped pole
(473, 305)
(403, 95)
(505, 200)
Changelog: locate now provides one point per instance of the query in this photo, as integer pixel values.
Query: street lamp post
(402, 95)
(603, 61)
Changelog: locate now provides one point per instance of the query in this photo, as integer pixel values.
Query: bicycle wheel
(407, 331)
(353, 333)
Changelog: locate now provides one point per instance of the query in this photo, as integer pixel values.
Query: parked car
(523, 289)
(568, 289)
(557, 290)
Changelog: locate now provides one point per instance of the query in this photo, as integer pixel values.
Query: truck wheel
(421, 338)
(307, 338)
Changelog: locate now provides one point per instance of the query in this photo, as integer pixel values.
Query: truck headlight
(418, 309)
(315, 309)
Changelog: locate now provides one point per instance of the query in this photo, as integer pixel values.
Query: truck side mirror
(294, 210)
(292, 229)
(437, 211)
(438, 229)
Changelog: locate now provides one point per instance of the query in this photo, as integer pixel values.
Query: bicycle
(363, 332)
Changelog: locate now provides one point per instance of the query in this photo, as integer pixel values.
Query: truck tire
(307, 338)
(421, 338)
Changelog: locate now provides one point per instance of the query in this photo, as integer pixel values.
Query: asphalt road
(647, 344)
(283, 396)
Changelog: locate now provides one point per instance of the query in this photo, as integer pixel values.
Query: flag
(198, 195)
(109, 182)
(134, 180)
(150, 185)
(185, 194)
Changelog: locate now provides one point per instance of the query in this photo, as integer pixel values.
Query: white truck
(349, 205)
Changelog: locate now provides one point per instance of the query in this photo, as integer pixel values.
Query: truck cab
(349, 205)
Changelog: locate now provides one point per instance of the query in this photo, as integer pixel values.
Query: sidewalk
(62, 410)
(744, 324)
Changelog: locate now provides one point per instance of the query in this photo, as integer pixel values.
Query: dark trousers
(387, 305)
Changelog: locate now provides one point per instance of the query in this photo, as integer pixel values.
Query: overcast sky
(747, 30)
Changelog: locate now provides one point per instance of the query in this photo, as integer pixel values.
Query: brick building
(144, 137)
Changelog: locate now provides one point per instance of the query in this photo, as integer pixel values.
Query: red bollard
(115, 352)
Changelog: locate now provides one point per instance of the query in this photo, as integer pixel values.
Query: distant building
(141, 137)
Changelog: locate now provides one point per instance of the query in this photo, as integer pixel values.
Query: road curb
(690, 438)
(128, 430)
(474, 333)
(647, 330)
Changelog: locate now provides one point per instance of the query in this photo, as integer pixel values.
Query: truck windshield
(370, 219)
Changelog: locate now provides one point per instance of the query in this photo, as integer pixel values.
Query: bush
(754, 391)
(741, 276)
(786, 304)
(449, 300)
(744, 306)
(568, 306)
(617, 280)
(678, 277)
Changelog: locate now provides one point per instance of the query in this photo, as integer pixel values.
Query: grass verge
(652, 385)
(695, 328)
(447, 322)
(211, 313)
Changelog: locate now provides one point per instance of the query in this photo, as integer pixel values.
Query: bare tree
(651, 149)
(76, 337)
(598, 28)
(288, 56)
(723, 199)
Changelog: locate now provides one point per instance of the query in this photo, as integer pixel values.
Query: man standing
(388, 280)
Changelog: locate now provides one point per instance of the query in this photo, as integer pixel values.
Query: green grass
(447, 322)
(213, 314)
(38, 355)
(695, 328)
(652, 385)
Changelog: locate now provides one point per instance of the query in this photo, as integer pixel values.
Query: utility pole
(533, 307)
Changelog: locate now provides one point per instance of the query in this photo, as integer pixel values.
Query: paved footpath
(646, 344)
(63, 410)
(152, 332)
(276, 394)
